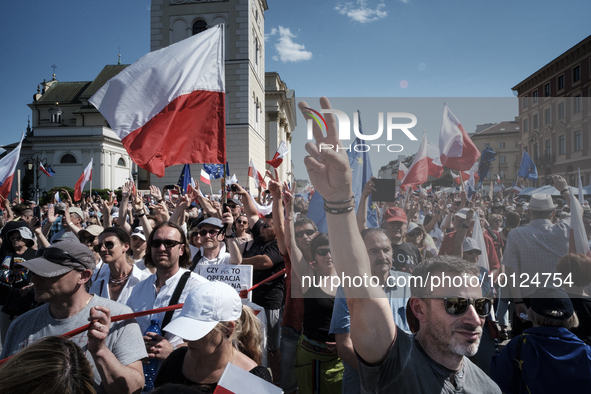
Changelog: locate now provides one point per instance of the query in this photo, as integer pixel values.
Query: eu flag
(361, 168)
(486, 157)
(527, 169)
(185, 178)
(50, 170)
(216, 171)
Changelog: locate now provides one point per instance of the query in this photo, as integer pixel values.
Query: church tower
(174, 20)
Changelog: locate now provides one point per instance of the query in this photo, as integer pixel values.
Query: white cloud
(271, 33)
(361, 12)
(288, 50)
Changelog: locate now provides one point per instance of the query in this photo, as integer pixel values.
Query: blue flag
(216, 171)
(185, 178)
(527, 169)
(361, 168)
(50, 170)
(486, 157)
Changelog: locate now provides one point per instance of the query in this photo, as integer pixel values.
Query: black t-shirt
(582, 305)
(318, 308)
(270, 294)
(405, 257)
(171, 371)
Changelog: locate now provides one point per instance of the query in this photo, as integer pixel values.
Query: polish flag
(44, 170)
(263, 210)
(236, 380)
(465, 177)
(85, 177)
(7, 168)
(435, 166)
(278, 158)
(205, 177)
(578, 237)
(168, 107)
(402, 171)
(419, 169)
(456, 149)
(258, 178)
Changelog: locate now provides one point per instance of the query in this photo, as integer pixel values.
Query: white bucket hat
(541, 202)
(206, 306)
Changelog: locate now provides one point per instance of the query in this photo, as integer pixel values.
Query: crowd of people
(86, 262)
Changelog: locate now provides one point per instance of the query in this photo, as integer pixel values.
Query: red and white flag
(456, 149)
(402, 171)
(85, 177)
(435, 166)
(44, 170)
(278, 158)
(457, 180)
(205, 177)
(236, 380)
(7, 168)
(258, 178)
(168, 107)
(419, 169)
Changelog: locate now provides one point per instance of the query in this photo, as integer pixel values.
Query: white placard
(234, 275)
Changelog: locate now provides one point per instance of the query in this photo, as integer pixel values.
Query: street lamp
(32, 164)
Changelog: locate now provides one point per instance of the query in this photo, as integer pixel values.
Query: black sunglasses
(300, 234)
(322, 252)
(56, 255)
(242, 221)
(16, 238)
(414, 233)
(168, 243)
(107, 244)
(203, 233)
(88, 239)
(457, 306)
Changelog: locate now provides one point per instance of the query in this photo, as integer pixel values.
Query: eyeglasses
(204, 233)
(322, 252)
(107, 244)
(242, 221)
(168, 243)
(309, 233)
(16, 238)
(457, 306)
(88, 239)
(56, 255)
(414, 233)
(473, 251)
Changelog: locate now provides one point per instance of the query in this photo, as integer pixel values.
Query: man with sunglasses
(434, 360)
(168, 251)
(213, 250)
(62, 275)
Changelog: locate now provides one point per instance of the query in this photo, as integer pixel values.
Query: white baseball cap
(206, 306)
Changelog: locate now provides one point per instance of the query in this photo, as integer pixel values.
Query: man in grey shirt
(114, 350)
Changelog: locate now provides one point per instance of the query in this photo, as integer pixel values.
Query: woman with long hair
(119, 277)
(218, 330)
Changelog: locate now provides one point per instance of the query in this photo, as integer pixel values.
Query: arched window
(68, 159)
(199, 26)
(121, 162)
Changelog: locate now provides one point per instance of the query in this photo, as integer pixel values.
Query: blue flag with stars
(527, 169)
(185, 178)
(216, 171)
(361, 169)
(486, 157)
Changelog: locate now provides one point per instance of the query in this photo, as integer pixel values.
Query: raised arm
(122, 219)
(372, 325)
(250, 210)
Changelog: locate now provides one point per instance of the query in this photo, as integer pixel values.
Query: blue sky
(363, 48)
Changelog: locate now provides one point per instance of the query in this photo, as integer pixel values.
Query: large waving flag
(419, 169)
(435, 166)
(581, 196)
(456, 149)
(85, 177)
(259, 180)
(487, 156)
(278, 158)
(185, 179)
(216, 171)
(402, 171)
(479, 237)
(578, 237)
(7, 168)
(361, 167)
(168, 107)
(205, 177)
(527, 169)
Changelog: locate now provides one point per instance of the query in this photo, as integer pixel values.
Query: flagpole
(90, 191)
(18, 178)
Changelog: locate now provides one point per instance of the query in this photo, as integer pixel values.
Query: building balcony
(545, 161)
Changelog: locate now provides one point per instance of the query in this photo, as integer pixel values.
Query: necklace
(121, 279)
(88, 301)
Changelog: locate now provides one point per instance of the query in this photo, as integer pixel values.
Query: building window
(526, 125)
(547, 90)
(502, 175)
(121, 162)
(562, 145)
(525, 102)
(535, 96)
(576, 74)
(578, 142)
(501, 145)
(502, 159)
(517, 144)
(199, 26)
(68, 159)
(547, 116)
(561, 111)
(548, 150)
(535, 121)
(560, 82)
(578, 104)
(536, 151)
